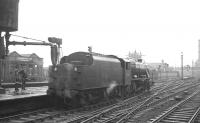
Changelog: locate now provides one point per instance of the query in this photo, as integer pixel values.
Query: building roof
(14, 53)
(25, 55)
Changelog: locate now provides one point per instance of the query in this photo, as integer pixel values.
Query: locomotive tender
(84, 76)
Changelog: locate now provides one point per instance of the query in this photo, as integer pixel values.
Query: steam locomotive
(84, 76)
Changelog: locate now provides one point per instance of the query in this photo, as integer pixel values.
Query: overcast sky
(157, 28)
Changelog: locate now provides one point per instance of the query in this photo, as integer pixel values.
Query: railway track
(50, 113)
(129, 117)
(53, 114)
(185, 112)
(122, 113)
(98, 113)
(151, 111)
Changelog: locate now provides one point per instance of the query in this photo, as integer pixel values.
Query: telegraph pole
(182, 65)
(192, 68)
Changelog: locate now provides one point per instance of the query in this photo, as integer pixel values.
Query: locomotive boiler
(85, 77)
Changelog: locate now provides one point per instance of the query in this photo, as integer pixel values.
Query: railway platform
(24, 100)
(28, 84)
(10, 93)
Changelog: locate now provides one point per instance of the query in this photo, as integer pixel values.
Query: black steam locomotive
(84, 77)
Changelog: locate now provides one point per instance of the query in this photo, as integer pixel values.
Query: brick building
(32, 64)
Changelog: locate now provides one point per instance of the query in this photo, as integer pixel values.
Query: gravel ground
(151, 113)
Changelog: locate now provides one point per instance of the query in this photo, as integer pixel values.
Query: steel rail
(141, 106)
(45, 114)
(192, 119)
(172, 109)
(115, 108)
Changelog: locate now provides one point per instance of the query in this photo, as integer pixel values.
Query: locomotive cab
(140, 76)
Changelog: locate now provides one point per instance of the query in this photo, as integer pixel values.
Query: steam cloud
(112, 85)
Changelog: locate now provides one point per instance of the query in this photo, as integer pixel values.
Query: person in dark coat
(23, 77)
(16, 80)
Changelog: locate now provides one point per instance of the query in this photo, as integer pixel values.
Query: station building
(31, 63)
(162, 70)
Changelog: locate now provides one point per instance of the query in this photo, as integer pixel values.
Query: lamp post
(192, 68)
(182, 65)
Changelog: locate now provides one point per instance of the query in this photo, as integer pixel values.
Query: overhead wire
(27, 38)
(35, 40)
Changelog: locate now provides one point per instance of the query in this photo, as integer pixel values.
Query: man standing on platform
(16, 80)
(23, 77)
